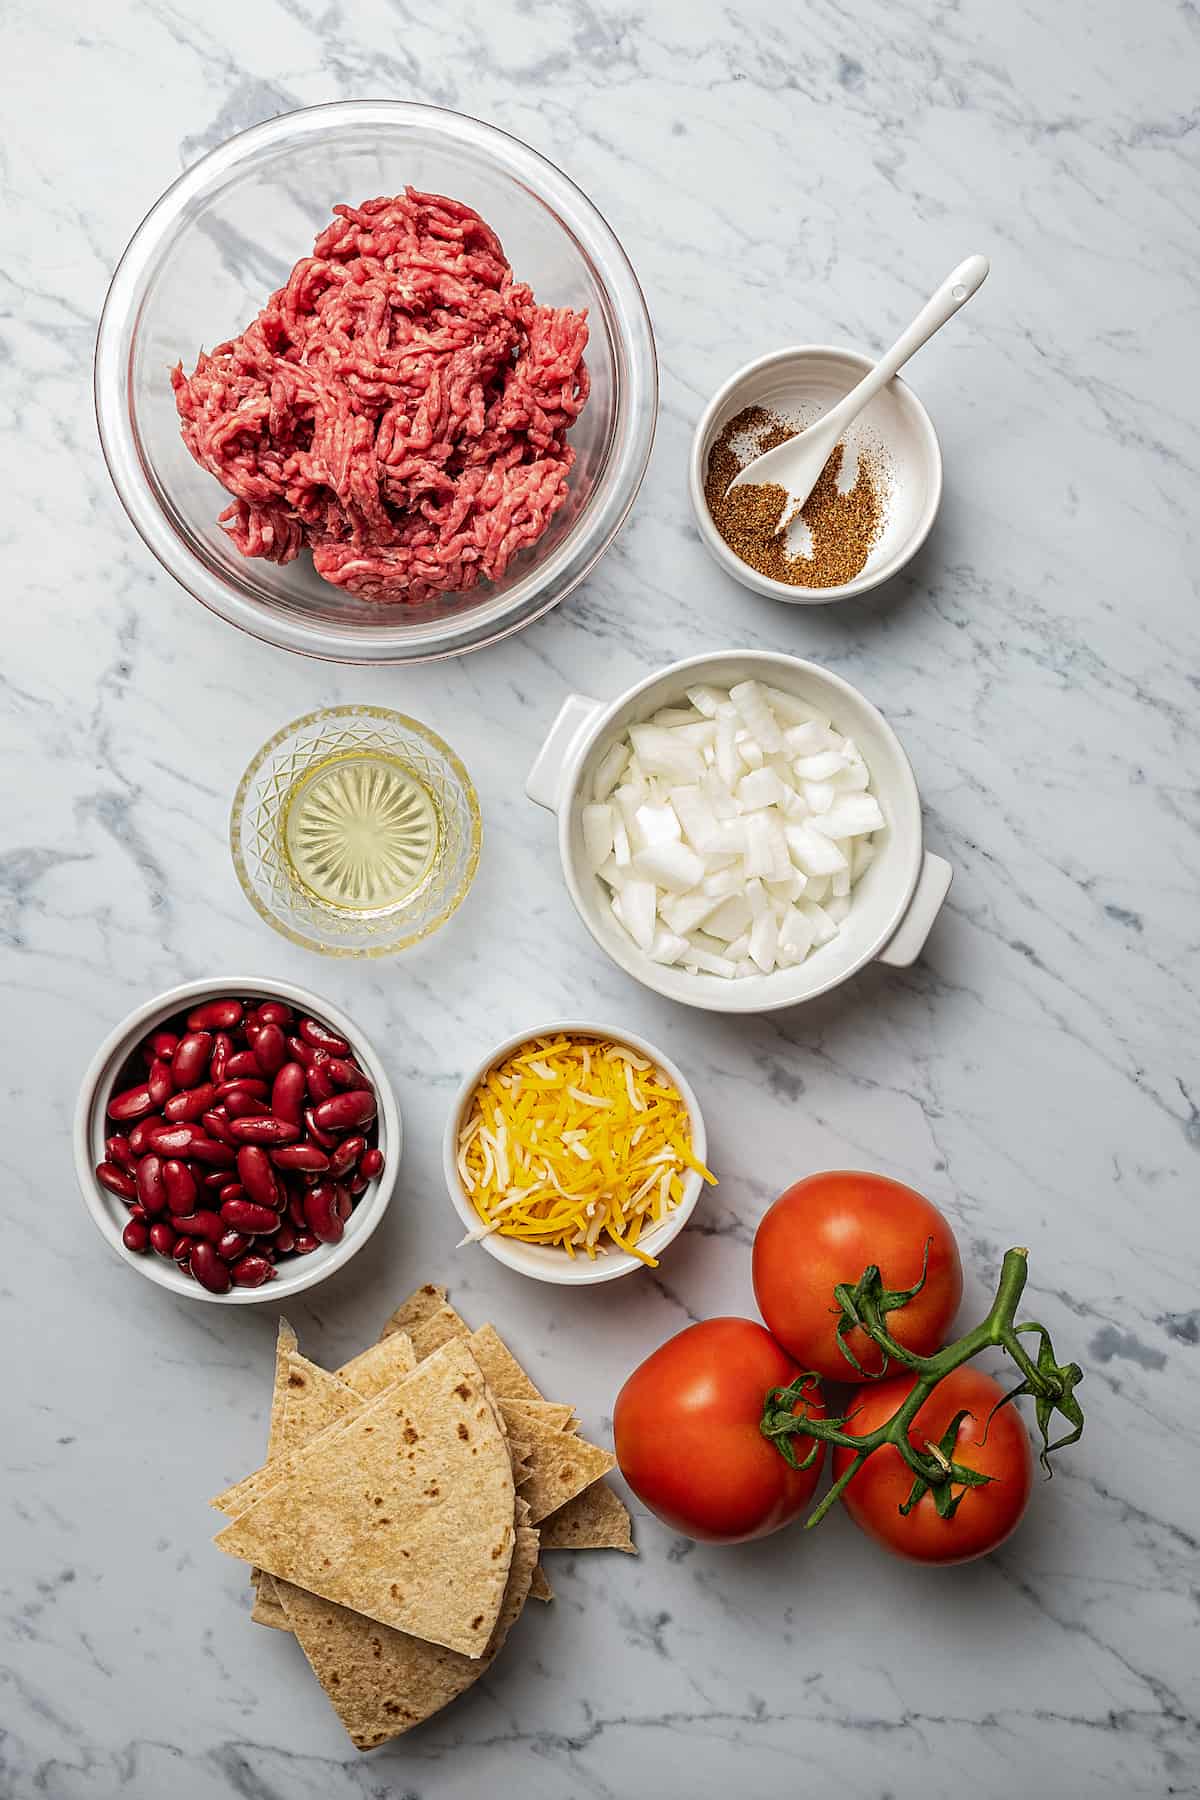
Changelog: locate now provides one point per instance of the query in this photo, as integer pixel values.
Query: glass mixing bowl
(227, 233)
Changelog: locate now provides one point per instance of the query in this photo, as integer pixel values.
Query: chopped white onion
(731, 831)
(597, 835)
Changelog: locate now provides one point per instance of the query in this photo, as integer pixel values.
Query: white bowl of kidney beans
(237, 1140)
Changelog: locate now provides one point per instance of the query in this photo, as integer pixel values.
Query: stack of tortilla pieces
(396, 1524)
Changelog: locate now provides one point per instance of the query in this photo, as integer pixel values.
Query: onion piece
(597, 822)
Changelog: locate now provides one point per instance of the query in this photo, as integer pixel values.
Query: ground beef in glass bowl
(356, 484)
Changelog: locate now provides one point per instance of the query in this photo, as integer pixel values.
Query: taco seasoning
(842, 526)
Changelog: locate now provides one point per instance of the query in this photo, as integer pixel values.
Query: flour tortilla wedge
(309, 1400)
(405, 1513)
(562, 1463)
(376, 1368)
(551, 1415)
(503, 1373)
(428, 1319)
(539, 1586)
(382, 1682)
(431, 1321)
(596, 1519)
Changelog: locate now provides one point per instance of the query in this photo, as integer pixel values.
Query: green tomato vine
(865, 1307)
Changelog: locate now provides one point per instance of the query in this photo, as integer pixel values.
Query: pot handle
(907, 942)
(544, 779)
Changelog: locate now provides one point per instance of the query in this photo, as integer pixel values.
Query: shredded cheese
(571, 1140)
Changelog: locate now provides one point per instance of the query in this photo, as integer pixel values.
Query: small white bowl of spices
(869, 513)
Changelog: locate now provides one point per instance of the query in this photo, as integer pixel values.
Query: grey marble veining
(775, 173)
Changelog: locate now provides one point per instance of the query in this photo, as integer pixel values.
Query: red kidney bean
(283, 1243)
(305, 1243)
(326, 1140)
(189, 1105)
(359, 1184)
(370, 1164)
(240, 1105)
(117, 1181)
(160, 1083)
(216, 1015)
(274, 1012)
(252, 1271)
(173, 1140)
(189, 1064)
(347, 1154)
(135, 1236)
(345, 1111)
(138, 1211)
(139, 1137)
(322, 1211)
(222, 1050)
(232, 1244)
(270, 1049)
(250, 1219)
(180, 1186)
(258, 1177)
(301, 1052)
(233, 1190)
(151, 1189)
(162, 1237)
(202, 1224)
(209, 1270)
(207, 1151)
(162, 1044)
(243, 1084)
(295, 1211)
(241, 1066)
(182, 1251)
(345, 1074)
(321, 1038)
(316, 1075)
(288, 1093)
(216, 1124)
(119, 1150)
(265, 1129)
(309, 1157)
(133, 1103)
(216, 1178)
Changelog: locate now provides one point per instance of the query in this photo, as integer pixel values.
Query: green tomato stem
(865, 1307)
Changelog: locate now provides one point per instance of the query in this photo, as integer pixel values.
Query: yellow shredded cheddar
(573, 1141)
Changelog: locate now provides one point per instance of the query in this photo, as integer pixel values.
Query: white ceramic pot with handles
(895, 903)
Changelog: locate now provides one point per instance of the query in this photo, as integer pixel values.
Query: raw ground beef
(401, 406)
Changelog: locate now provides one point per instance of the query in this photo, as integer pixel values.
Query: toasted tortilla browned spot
(382, 1682)
(416, 1534)
(596, 1519)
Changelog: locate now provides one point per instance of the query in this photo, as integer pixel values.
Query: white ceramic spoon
(797, 464)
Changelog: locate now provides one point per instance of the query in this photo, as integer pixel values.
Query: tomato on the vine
(686, 1431)
(829, 1228)
(985, 1515)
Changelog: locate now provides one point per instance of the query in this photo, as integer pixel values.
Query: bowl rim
(97, 1082)
(540, 178)
(719, 995)
(613, 1263)
(417, 728)
(733, 565)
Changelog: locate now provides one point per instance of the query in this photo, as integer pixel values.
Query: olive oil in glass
(361, 832)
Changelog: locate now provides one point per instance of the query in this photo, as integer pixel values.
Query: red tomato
(827, 1229)
(985, 1515)
(687, 1439)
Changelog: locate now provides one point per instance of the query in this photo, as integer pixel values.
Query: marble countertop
(775, 173)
